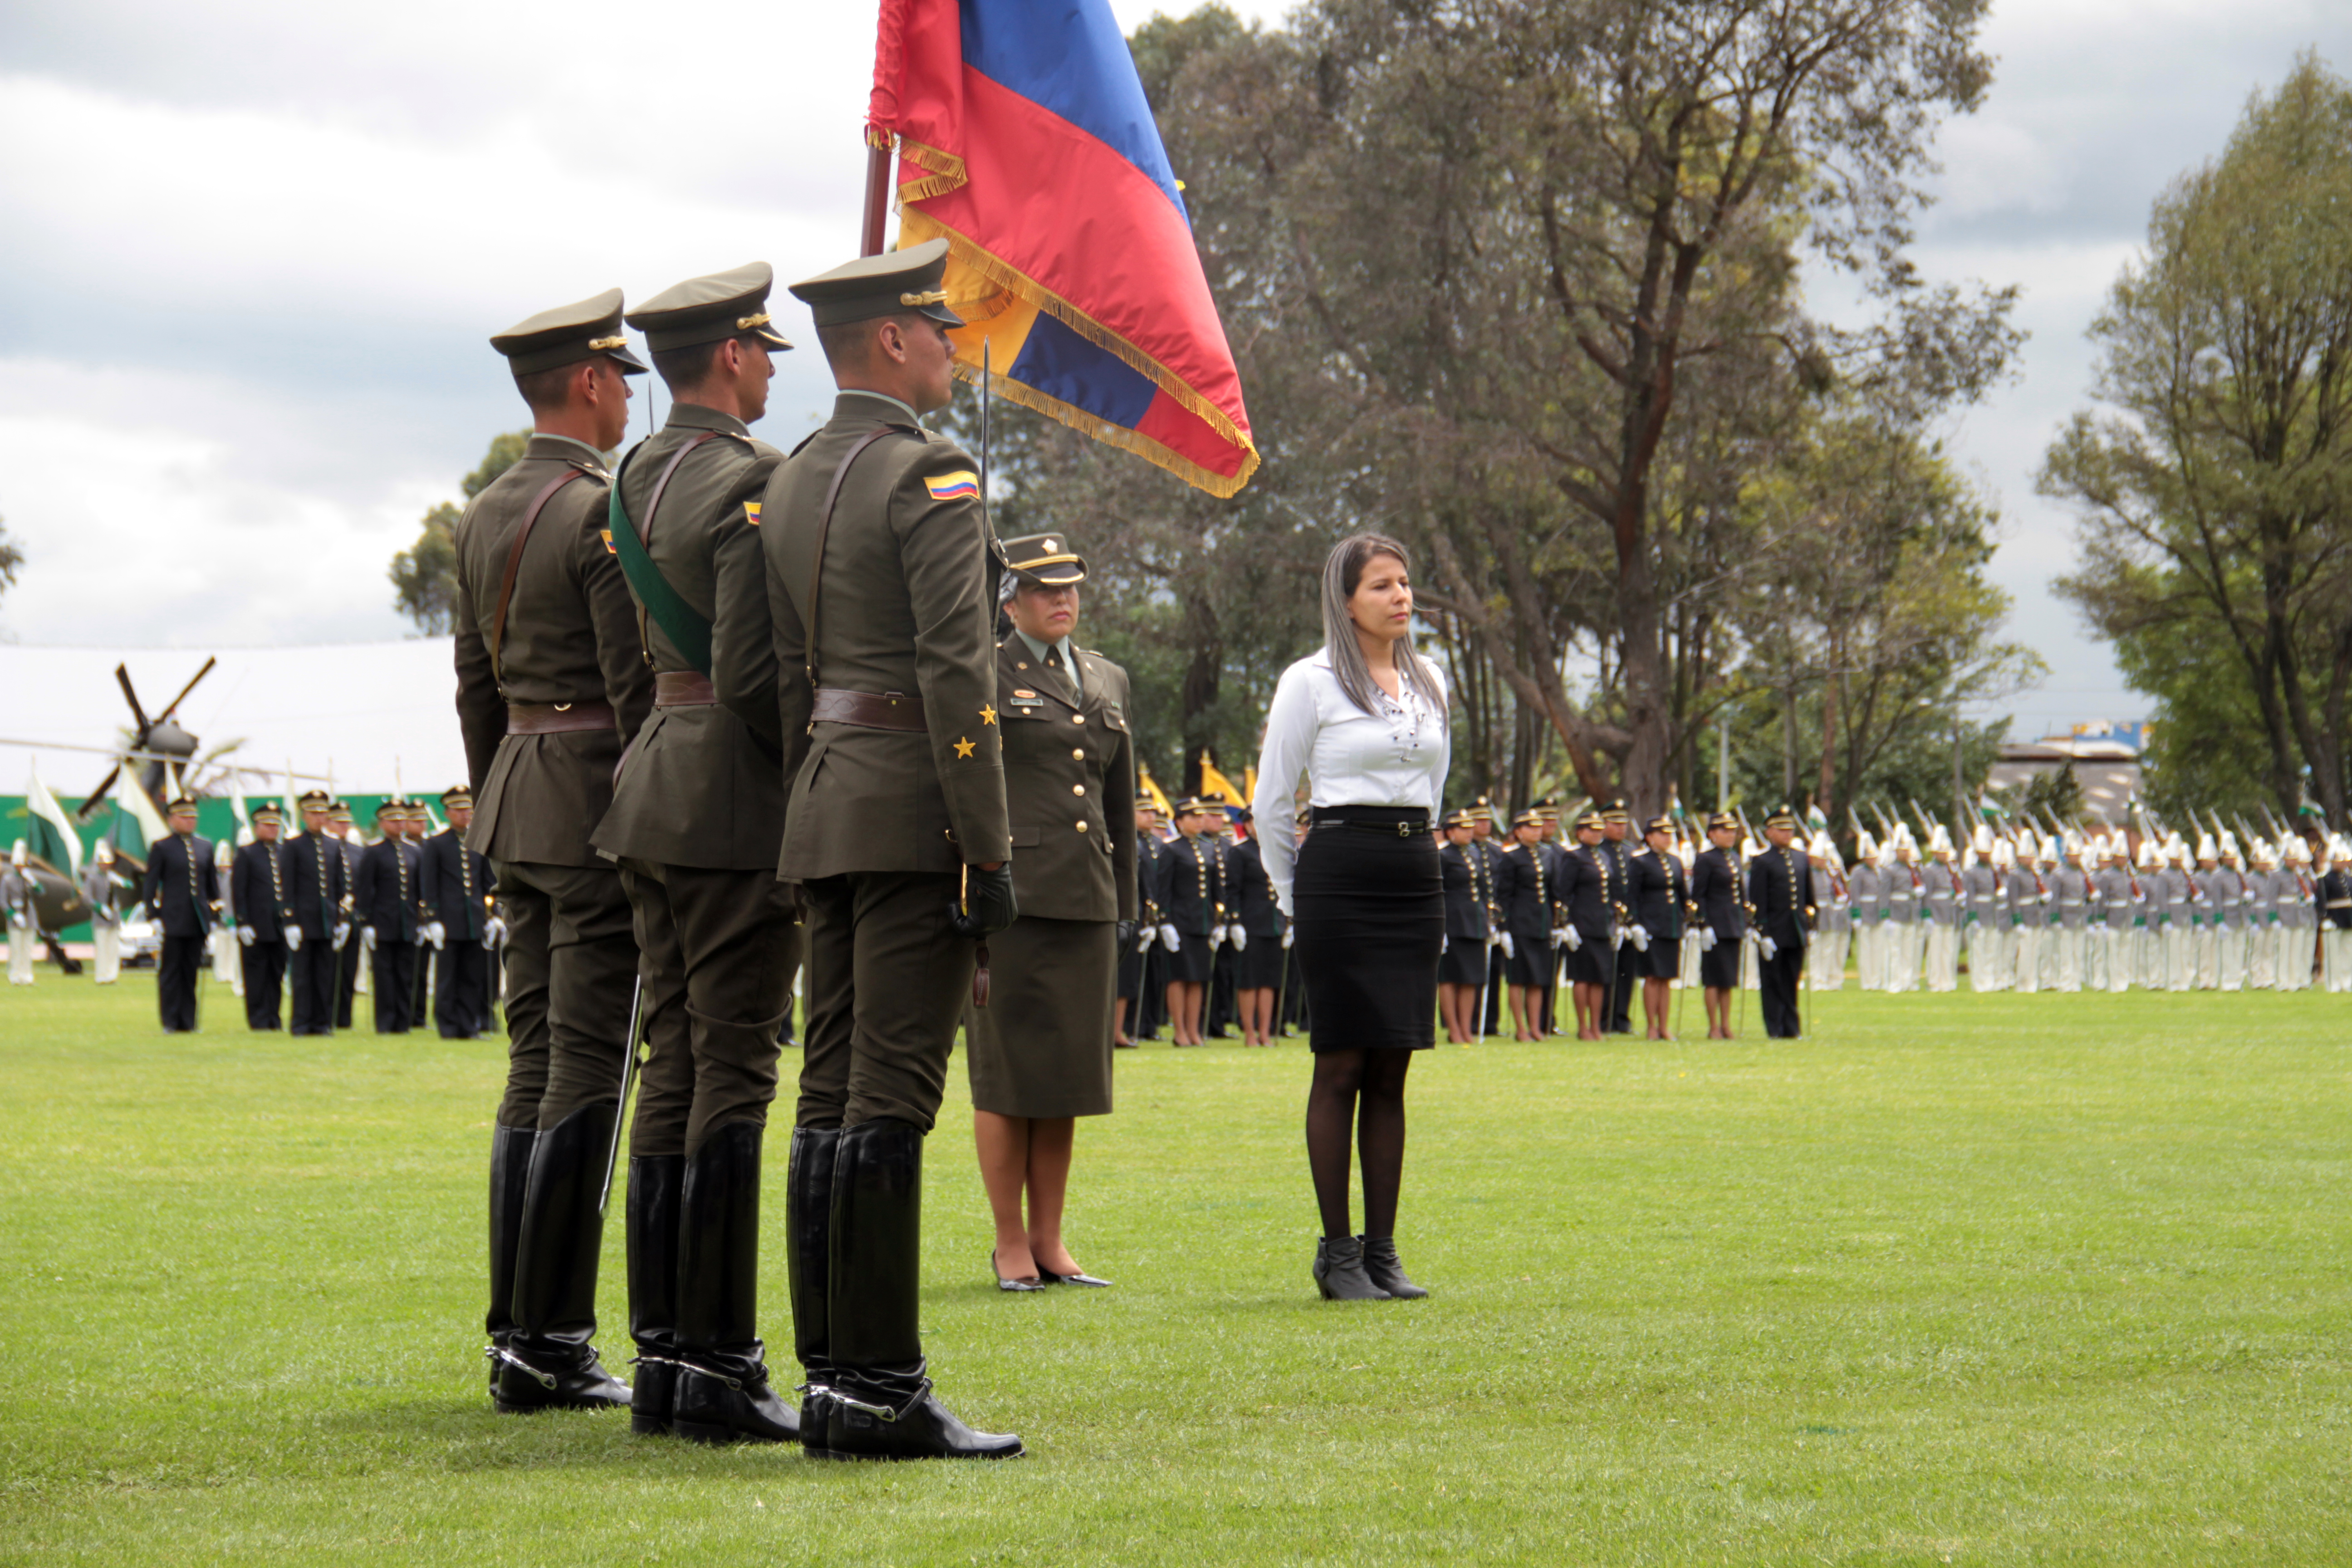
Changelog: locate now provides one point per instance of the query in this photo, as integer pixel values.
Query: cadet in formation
(384, 904)
(97, 890)
(1524, 892)
(695, 825)
(1138, 958)
(260, 902)
(1662, 903)
(17, 909)
(1779, 883)
(552, 684)
(182, 895)
(454, 883)
(1192, 896)
(350, 959)
(318, 928)
(1462, 967)
(1718, 888)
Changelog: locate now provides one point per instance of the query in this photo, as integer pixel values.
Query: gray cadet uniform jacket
(1985, 901)
(570, 638)
(703, 785)
(1943, 892)
(2070, 887)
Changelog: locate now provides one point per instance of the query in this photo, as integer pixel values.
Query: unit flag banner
(1024, 140)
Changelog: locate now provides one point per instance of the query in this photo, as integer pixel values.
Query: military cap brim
(1044, 561)
(1589, 820)
(317, 800)
(179, 804)
(458, 794)
(729, 304)
(1782, 818)
(884, 285)
(569, 334)
(1658, 825)
(268, 814)
(1724, 821)
(1527, 819)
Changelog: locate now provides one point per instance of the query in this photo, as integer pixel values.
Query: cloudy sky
(255, 246)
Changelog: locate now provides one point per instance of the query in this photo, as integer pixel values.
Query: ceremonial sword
(628, 1072)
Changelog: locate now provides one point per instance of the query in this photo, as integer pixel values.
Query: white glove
(494, 933)
(1145, 939)
(293, 939)
(1616, 937)
(1707, 939)
(1575, 937)
(1239, 939)
(1510, 950)
(367, 937)
(1767, 946)
(1286, 936)
(1169, 939)
(246, 935)
(1560, 936)
(1216, 938)
(342, 930)
(1445, 944)
(435, 934)
(1641, 938)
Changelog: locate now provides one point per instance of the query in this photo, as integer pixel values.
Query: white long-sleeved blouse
(1397, 757)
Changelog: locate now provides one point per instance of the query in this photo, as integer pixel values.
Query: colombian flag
(1024, 139)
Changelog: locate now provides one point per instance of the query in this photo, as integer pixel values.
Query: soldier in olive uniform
(1039, 1053)
(258, 901)
(454, 884)
(552, 684)
(881, 590)
(183, 896)
(696, 822)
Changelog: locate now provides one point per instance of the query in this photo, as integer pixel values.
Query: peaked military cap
(1722, 821)
(1459, 817)
(1045, 560)
(179, 803)
(340, 812)
(710, 310)
(1616, 811)
(569, 334)
(458, 794)
(1143, 801)
(1200, 805)
(1480, 810)
(270, 813)
(391, 805)
(1589, 821)
(1782, 817)
(316, 800)
(881, 285)
(1661, 823)
(1530, 818)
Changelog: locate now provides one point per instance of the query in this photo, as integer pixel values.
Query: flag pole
(878, 192)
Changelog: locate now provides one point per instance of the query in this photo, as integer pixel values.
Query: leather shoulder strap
(824, 529)
(514, 565)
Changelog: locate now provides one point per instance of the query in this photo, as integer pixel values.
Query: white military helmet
(16, 854)
(224, 854)
(2002, 855)
(1866, 848)
(105, 852)
(1982, 842)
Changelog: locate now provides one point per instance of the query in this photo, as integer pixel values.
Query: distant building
(2106, 755)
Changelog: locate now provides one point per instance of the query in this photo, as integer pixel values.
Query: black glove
(1125, 935)
(987, 906)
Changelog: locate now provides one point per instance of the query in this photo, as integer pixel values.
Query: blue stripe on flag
(1069, 57)
(1060, 364)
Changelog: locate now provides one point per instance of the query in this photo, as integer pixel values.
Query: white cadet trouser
(1865, 954)
(1988, 957)
(1825, 965)
(20, 954)
(2262, 957)
(2293, 944)
(1943, 967)
(2336, 949)
(2027, 964)
(2179, 957)
(2099, 954)
(2230, 958)
(225, 964)
(107, 938)
(2205, 964)
(2067, 947)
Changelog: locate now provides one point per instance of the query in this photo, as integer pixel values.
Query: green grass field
(1960, 1280)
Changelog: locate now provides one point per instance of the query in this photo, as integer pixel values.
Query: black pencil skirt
(1371, 920)
(1191, 962)
(1718, 966)
(1592, 964)
(1465, 962)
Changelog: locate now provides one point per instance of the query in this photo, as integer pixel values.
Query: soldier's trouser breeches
(2026, 972)
(176, 980)
(393, 970)
(888, 980)
(2204, 948)
(312, 976)
(2230, 958)
(2293, 958)
(1865, 957)
(1984, 958)
(265, 978)
(461, 987)
(2069, 969)
(1943, 958)
(571, 964)
(719, 950)
(2180, 959)
(20, 954)
(108, 940)
(2338, 954)
(1827, 969)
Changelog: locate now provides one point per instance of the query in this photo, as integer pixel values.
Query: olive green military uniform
(696, 823)
(547, 696)
(1041, 1046)
(881, 593)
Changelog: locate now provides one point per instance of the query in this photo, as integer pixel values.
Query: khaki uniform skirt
(1041, 1046)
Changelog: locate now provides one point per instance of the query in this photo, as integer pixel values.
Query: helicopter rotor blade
(122, 678)
(191, 686)
(97, 797)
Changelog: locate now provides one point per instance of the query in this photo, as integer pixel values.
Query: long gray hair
(1343, 571)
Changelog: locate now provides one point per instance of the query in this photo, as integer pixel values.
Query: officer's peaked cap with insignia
(1459, 817)
(729, 304)
(882, 284)
(1661, 823)
(179, 803)
(1530, 818)
(567, 335)
(341, 811)
(1617, 811)
(1588, 821)
(391, 805)
(1725, 821)
(1143, 801)
(458, 794)
(1782, 816)
(1044, 561)
(262, 814)
(316, 800)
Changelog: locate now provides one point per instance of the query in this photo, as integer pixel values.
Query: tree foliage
(12, 560)
(424, 575)
(2214, 498)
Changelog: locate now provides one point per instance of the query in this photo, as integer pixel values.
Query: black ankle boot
(808, 1245)
(880, 1405)
(547, 1363)
(657, 1182)
(509, 1172)
(723, 1393)
(1386, 1270)
(1340, 1271)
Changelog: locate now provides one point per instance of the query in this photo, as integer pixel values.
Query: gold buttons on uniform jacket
(1082, 827)
(1077, 717)
(1078, 789)
(1079, 755)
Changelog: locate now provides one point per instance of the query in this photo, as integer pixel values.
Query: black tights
(1366, 1088)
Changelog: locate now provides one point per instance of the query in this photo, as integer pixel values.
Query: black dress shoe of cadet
(524, 1386)
(1386, 1270)
(1020, 1282)
(1340, 1271)
(1080, 1278)
(732, 1402)
(887, 1415)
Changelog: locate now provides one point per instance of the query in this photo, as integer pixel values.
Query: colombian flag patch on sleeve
(606, 534)
(953, 487)
(751, 513)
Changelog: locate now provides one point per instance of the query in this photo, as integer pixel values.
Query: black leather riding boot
(509, 1171)
(723, 1394)
(881, 1404)
(808, 1267)
(656, 1185)
(547, 1363)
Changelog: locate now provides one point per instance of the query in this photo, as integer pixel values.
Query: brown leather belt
(557, 717)
(891, 710)
(683, 688)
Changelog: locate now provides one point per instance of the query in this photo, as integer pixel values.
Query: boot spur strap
(884, 1412)
(757, 1376)
(501, 1354)
(654, 1361)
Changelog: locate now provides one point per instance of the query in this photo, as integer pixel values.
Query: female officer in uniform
(1661, 899)
(1364, 723)
(1040, 1051)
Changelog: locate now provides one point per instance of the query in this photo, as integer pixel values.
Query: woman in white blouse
(1364, 722)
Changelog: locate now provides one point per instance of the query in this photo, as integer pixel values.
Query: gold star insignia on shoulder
(987, 714)
(963, 748)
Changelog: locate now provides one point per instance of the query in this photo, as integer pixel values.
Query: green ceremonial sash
(686, 627)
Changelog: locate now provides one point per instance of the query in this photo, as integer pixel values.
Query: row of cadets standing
(456, 889)
(260, 901)
(1190, 895)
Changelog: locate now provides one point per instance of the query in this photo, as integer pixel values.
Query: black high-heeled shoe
(1386, 1270)
(1340, 1271)
(1023, 1282)
(1080, 1278)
